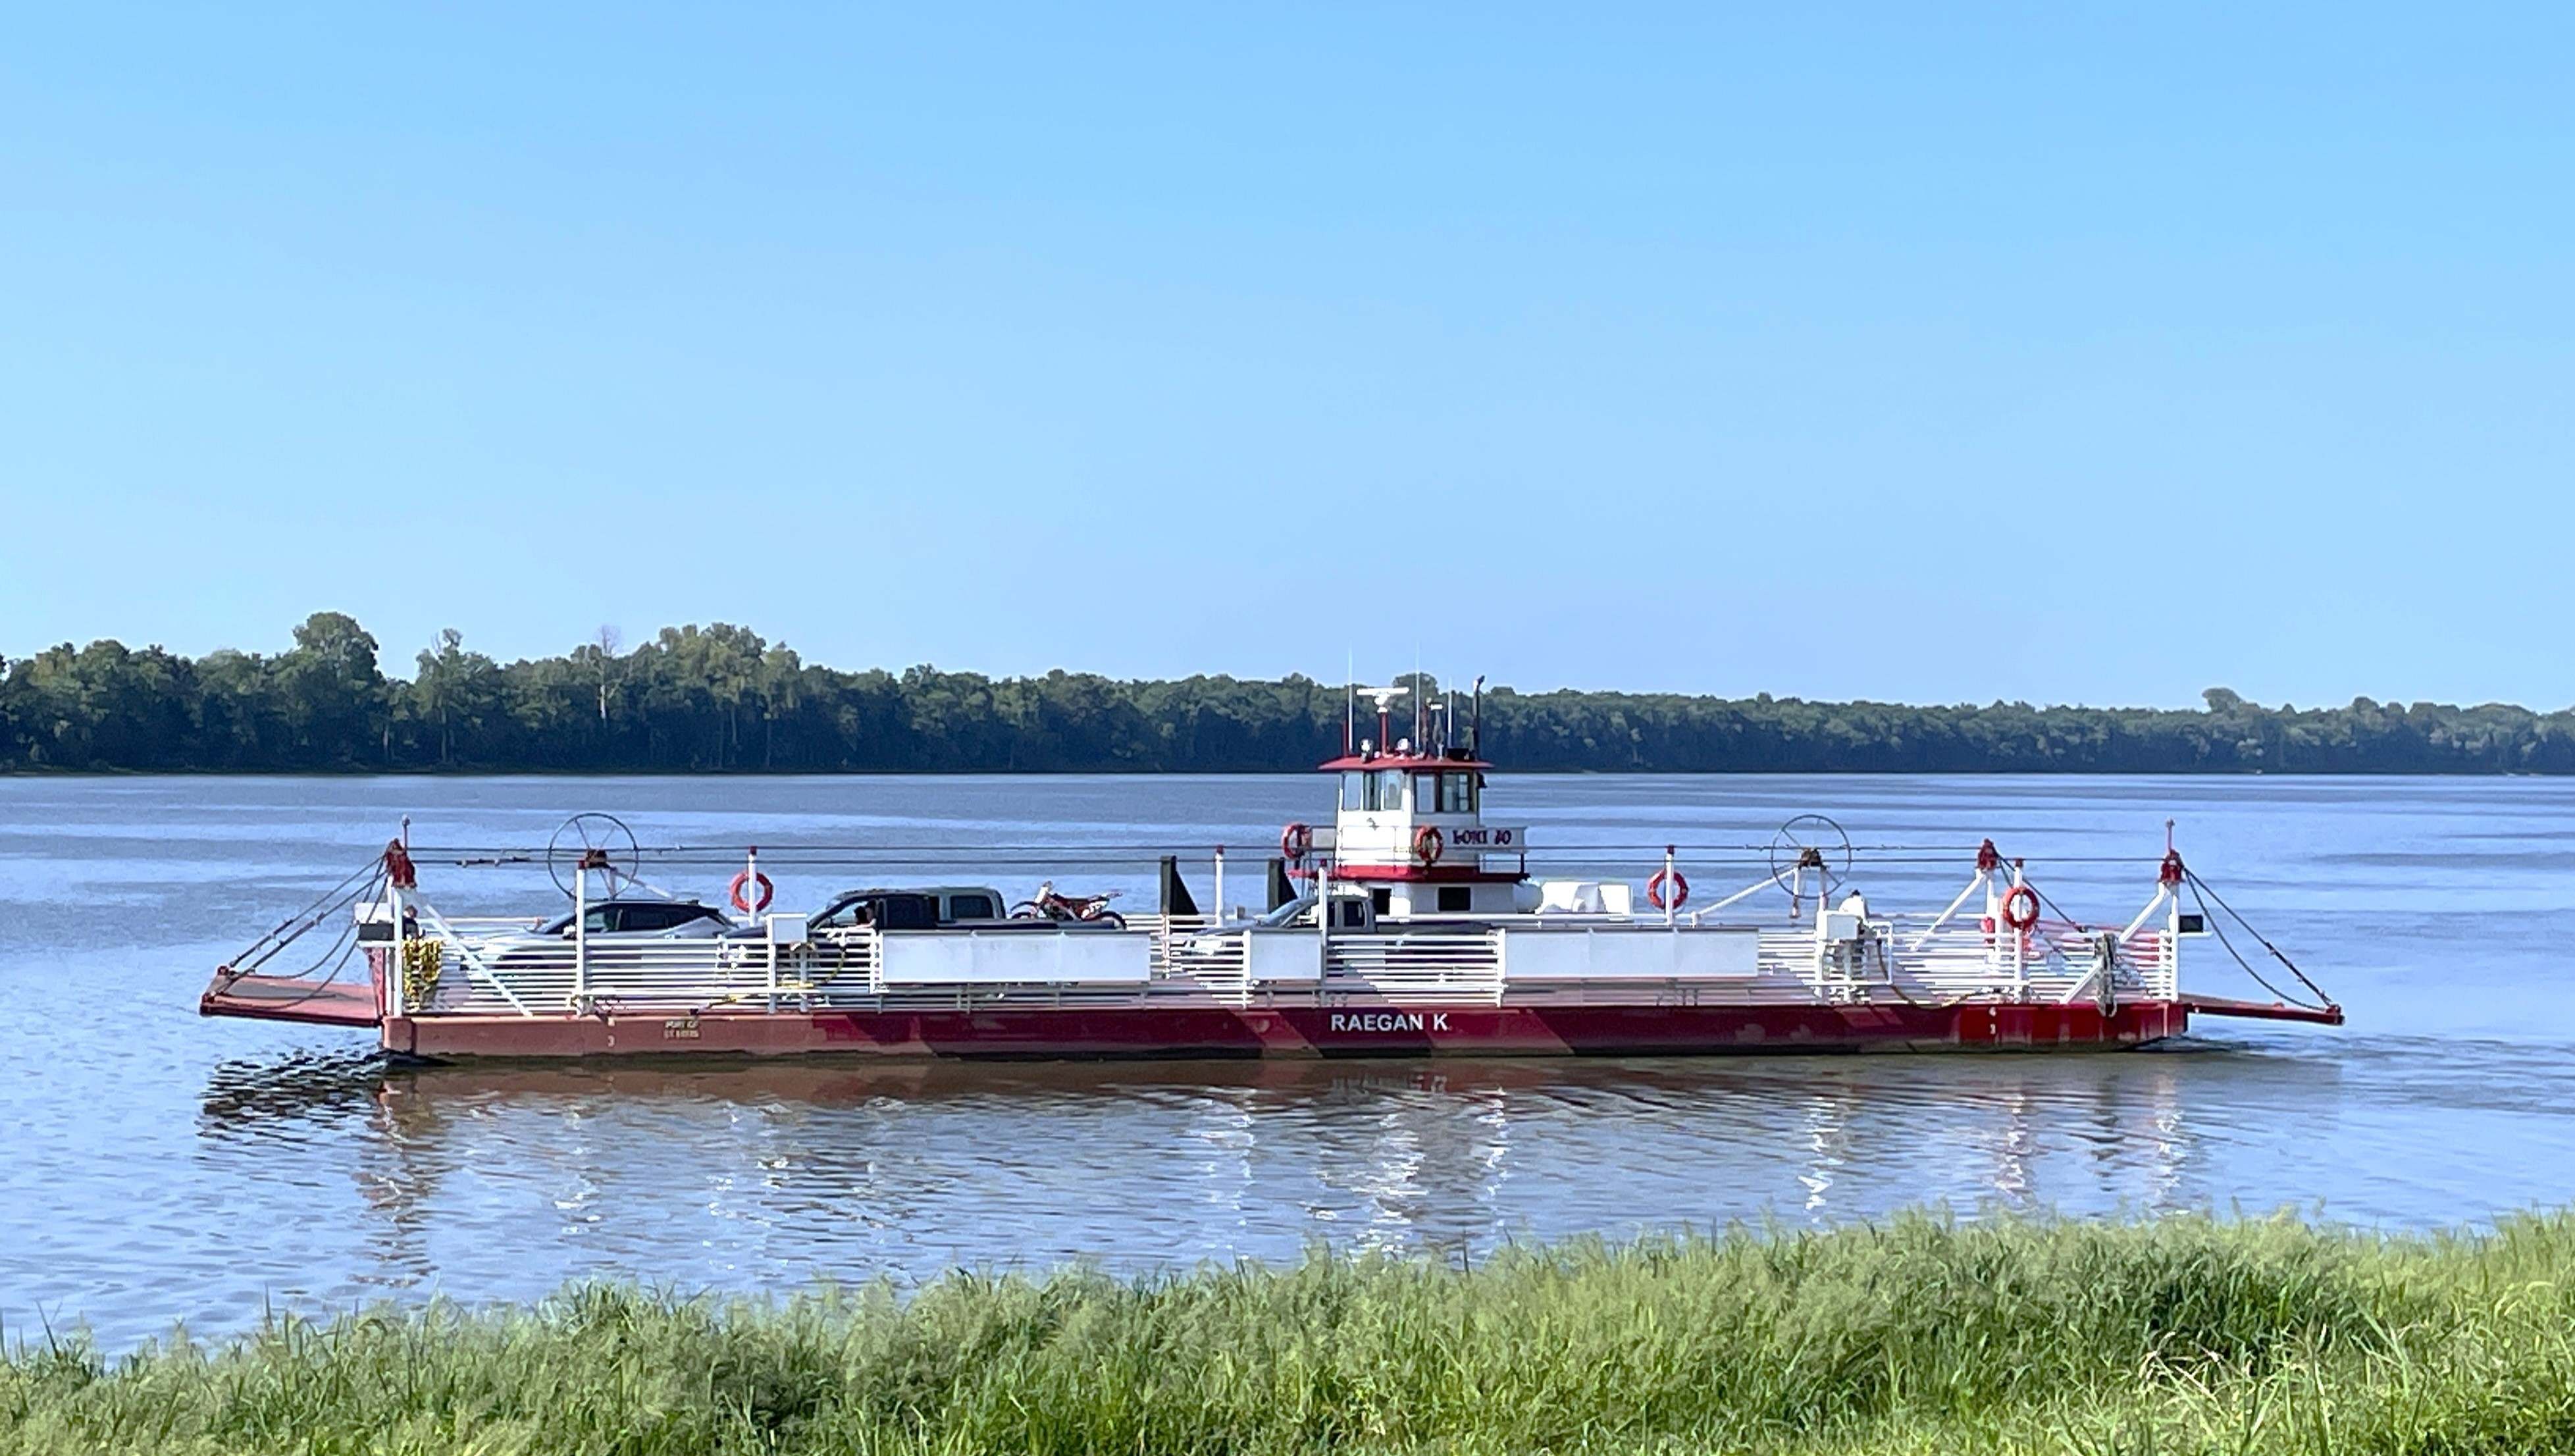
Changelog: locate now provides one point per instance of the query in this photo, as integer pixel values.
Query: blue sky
(2062, 353)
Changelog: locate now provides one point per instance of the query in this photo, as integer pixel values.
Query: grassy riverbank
(1914, 1336)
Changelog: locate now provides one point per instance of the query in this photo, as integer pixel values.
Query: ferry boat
(1408, 924)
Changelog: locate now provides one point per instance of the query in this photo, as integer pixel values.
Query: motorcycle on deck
(1049, 905)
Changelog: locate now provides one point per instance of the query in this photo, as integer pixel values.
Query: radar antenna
(1384, 700)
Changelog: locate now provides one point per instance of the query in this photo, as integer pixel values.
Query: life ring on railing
(1672, 879)
(2021, 907)
(1427, 844)
(742, 900)
(1295, 842)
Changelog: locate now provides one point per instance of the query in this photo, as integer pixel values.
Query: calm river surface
(162, 1168)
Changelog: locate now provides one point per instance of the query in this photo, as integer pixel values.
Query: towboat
(1408, 924)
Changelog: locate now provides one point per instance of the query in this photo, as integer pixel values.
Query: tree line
(723, 698)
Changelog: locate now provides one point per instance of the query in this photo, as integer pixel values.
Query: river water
(163, 1168)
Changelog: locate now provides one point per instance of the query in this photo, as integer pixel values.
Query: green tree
(330, 695)
(724, 698)
(457, 690)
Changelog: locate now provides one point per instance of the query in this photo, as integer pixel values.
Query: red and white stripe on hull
(1219, 1032)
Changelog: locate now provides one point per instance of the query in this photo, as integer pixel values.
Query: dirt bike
(1050, 906)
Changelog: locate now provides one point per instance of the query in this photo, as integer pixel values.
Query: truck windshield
(1286, 913)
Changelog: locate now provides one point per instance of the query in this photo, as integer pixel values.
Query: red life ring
(2021, 907)
(1428, 843)
(1679, 889)
(742, 901)
(1294, 841)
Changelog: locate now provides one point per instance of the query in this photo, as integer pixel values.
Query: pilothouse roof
(1400, 759)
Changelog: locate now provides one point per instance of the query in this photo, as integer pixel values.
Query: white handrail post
(2019, 941)
(1219, 910)
(1671, 888)
(392, 992)
(2171, 956)
(581, 934)
(1323, 902)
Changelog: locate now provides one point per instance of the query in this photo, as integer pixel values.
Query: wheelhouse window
(1455, 791)
(1389, 790)
(1377, 790)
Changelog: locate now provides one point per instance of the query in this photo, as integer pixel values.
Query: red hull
(285, 999)
(1036, 1034)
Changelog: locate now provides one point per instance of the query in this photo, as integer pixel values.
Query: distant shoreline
(725, 701)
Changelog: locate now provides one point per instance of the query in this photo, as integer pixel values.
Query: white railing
(2050, 962)
(1195, 951)
(495, 968)
(1420, 965)
(537, 976)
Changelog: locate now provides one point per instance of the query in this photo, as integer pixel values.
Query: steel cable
(311, 916)
(2201, 894)
(330, 900)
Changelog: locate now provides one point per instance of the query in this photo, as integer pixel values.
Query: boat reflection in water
(505, 1182)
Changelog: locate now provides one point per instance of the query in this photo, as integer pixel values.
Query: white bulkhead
(1409, 827)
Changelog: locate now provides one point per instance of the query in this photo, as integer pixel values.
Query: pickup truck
(928, 907)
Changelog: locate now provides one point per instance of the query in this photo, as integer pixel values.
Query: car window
(907, 912)
(596, 919)
(970, 907)
(1287, 912)
(666, 917)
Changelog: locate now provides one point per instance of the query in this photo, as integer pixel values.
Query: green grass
(1917, 1335)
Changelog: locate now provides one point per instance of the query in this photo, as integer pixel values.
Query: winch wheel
(1810, 855)
(588, 842)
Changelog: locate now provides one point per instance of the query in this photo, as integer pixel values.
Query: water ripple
(165, 1167)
